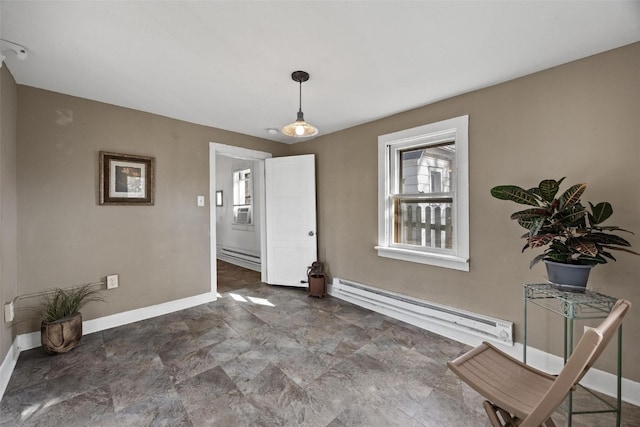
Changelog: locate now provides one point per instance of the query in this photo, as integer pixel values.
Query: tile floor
(260, 355)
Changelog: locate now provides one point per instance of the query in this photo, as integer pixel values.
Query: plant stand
(575, 306)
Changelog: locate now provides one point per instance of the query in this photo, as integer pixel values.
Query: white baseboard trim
(32, 340)
(8, 364)
(598, 380)
(240, 262)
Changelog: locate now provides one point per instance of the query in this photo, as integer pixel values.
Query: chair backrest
(586, 352)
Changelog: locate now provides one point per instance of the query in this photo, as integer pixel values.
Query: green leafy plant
(572, 233)
(61, 303)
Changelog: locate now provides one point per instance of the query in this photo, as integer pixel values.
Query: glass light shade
(300, 129)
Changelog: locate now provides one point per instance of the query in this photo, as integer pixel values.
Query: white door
(291, 247)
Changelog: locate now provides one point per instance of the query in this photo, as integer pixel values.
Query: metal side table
(575, 306)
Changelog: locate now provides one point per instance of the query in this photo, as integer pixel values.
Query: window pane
(423, 194)
(427, 225)
(427, 169)
(242, 192)
(242, 187)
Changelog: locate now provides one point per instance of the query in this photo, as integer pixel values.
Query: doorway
(238, 212)
(245, 231)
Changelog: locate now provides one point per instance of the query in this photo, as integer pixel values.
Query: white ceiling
(228, 64)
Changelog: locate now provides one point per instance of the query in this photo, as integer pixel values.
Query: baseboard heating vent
(428, 315)
(240, 257)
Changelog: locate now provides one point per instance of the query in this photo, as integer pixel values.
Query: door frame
(239, 153)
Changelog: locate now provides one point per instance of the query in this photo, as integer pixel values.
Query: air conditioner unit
(243, 216)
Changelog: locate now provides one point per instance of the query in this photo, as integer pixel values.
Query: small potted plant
(574, 238)
(61, 328)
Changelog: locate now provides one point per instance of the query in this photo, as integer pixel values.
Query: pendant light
(300, 128)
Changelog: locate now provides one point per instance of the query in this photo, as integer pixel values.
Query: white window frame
(239, 205)
(456, 128)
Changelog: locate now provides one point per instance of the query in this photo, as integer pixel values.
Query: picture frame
(126, 179)
(219, 198)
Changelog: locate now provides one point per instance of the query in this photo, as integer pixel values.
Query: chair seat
(503, 380)
(520, 395)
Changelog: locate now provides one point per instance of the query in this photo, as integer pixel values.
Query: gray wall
(579, 120)
(8, 209)
(161, 252)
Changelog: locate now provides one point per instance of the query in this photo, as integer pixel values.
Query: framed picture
(126, 179)
(219, 198)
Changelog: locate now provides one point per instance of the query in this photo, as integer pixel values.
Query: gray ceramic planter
(568, 277)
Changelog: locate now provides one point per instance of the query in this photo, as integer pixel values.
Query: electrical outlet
(9, 312)
(112, 281)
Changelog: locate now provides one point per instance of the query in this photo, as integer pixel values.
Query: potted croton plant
(573, 235)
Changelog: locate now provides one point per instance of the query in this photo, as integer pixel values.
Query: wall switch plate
(9, 312)
(112, 281)
(200, 200)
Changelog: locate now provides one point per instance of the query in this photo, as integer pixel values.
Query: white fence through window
(425, 224)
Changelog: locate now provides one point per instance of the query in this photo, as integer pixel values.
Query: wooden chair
(519, 395)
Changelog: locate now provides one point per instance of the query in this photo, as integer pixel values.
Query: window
(423, 196)
(242, 197)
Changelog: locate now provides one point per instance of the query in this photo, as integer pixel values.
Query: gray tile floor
(260, 355)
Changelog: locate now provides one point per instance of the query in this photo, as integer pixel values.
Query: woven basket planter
(62, 335)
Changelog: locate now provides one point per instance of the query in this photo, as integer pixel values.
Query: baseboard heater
(423, 313)
(240, 257)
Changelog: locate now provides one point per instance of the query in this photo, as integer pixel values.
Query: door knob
(311, 233)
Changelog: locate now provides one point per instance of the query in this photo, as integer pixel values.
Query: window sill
(438, 260)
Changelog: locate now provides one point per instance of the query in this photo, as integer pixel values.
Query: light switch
(200, 200)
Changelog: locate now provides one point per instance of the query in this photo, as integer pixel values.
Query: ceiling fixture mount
(5, 45)
(300, 128)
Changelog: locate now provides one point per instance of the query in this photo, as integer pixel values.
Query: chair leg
(493, 411)
(509, 421)
(549, 423)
